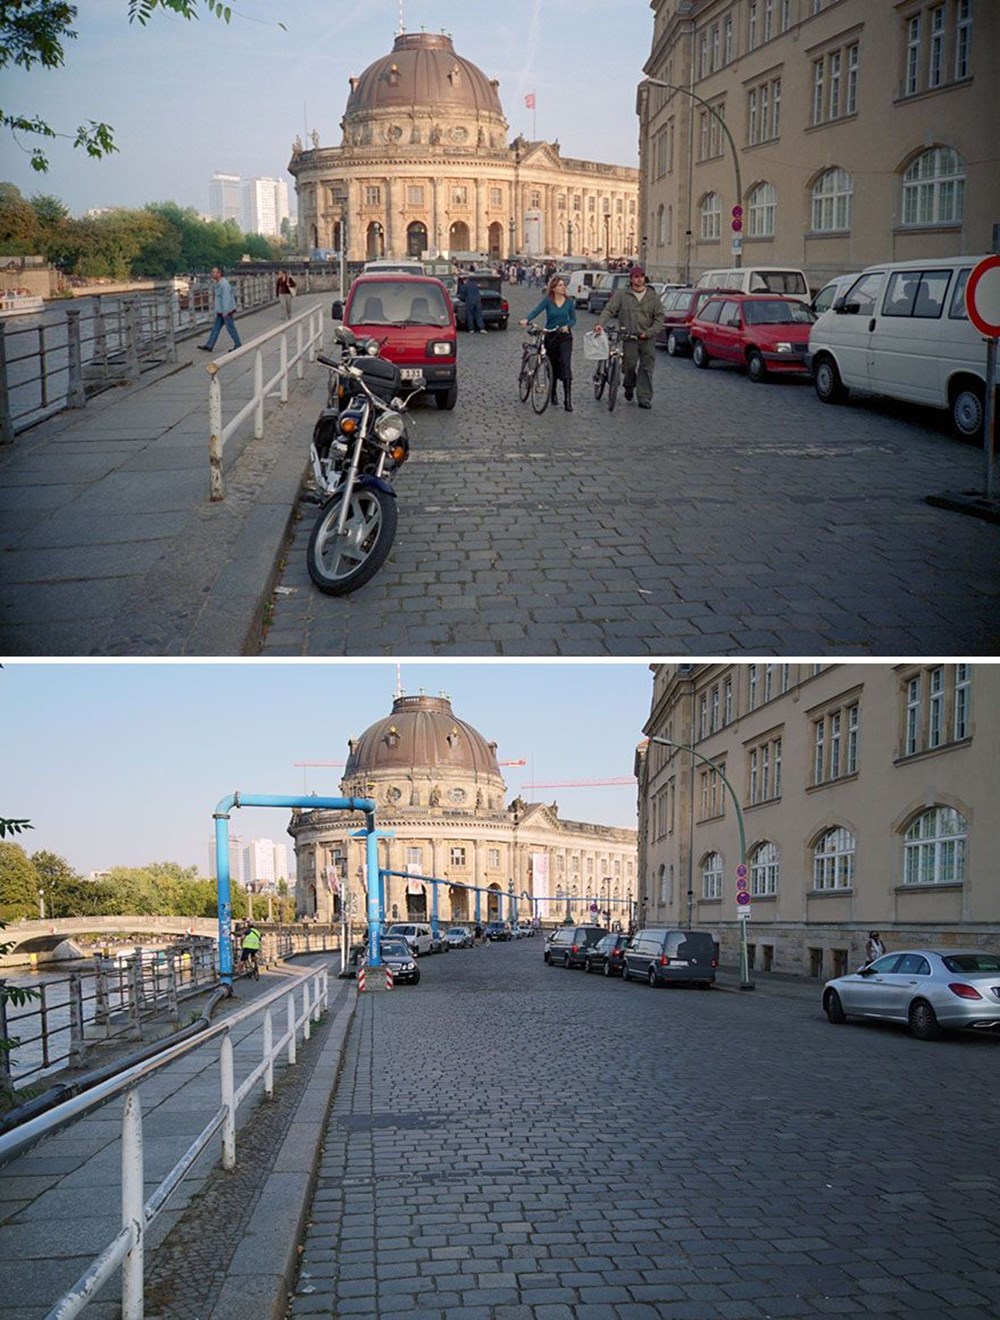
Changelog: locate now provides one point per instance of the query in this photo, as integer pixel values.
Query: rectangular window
(703, 716)
(912, 82)
(935, 66)
(912, 716)
(768, 682)
(727, 41)
(853, 722)
(819, 751)
(776, 108)
(818, 68)
(935, 709)
(415, 860)
(963, 38)
(963, 689)
(727, 704)
(496, 197)
(494, 857)
(851, 103)
(768, 19)
(703, 55)
(835, 745)
(764, 771)
(752, 683)
(785, 19)
(714, 59)
(415, 194)
(459, 195)
(458, 856)
(835, 85)
(373, 194)
(715, 708)
(752, 126)
(751, 24)
(765, 129)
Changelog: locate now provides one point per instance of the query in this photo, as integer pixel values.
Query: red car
(762, 332)
(680, 307)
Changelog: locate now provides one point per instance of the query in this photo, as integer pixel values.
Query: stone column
(438, 239)
(480, 241)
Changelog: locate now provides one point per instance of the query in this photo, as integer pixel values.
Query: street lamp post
(672, 87)
(745, 982)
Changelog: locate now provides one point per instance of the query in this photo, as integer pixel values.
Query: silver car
(930, 989)
(458, 937)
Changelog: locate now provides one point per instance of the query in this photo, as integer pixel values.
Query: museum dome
(421, 755)
(424, 70)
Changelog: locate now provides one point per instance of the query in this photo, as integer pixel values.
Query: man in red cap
(639, 313)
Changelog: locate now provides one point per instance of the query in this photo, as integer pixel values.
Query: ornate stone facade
(425, 169)
(441, 796)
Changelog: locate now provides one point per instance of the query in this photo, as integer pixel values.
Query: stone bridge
(28, 938)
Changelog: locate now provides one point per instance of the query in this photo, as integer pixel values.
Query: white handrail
(308, 334)
(126, 1248)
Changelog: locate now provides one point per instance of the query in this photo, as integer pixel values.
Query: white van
(786, 280)
(416, 934)
(578, 285)
(901, 330)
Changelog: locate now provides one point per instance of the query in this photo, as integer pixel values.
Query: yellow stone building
(425, 168)
(441, 798)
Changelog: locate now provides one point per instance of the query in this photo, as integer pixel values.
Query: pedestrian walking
(473, 307)
(560, 318)
(285, 289)
(639, 313)
(225, 306)
(874, 948)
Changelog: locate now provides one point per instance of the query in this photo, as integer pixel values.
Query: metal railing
(65, 355)
(125, 1250)
(308, 329)
(71, 1015)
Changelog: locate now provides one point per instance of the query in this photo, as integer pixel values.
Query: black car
(398, 955)
(497, 930)
(496, 309)
(607, 955)
(662, 957)
(568, 945)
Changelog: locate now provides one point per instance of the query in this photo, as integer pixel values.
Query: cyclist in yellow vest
(250, 943)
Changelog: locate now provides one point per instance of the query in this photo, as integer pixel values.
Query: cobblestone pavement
(510, 1141)
(733, 518)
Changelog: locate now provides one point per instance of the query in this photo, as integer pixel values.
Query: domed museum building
(442, 799)
(425, 168)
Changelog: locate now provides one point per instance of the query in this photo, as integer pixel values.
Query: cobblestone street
(511, 1141)
(732, 519)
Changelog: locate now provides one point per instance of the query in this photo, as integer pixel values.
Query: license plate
(410, 373)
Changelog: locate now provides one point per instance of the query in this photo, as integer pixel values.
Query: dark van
(661, 956)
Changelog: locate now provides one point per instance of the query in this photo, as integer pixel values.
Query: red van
(412, 318)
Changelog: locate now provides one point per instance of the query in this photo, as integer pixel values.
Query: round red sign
(982, 297)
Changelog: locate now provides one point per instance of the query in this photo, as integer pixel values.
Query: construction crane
(584, 783)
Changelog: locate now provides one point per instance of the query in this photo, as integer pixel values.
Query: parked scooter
(359, 442)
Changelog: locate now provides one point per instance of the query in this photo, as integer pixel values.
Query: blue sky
(124, 763)
(187, 99)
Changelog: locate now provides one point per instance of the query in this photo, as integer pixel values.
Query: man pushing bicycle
(639, 314)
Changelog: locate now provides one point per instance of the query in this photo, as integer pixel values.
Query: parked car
(458, 937)
(412, 318)
(901, 330)
(760, 332)
(603, 287)
(660, 956)
(680, 307)
(398, 955)
(579, 283)
(567, 946)
(496, 309)
(830, 292)
(787, 280)
(932, 990)
(607, 955)
(497, 930)
(416, 933)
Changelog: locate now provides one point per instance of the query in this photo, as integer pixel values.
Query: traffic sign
(737, 212)
(742, 871)
(742, 884)
(982, 297)
(743, 913)
(737, 244)
(743, 899)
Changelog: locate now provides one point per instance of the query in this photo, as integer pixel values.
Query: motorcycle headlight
(390, 426)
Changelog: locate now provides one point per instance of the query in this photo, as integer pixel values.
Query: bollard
(388, 977)
(76, 394)
(361, 977)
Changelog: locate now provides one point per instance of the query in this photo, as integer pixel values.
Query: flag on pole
(529, 101)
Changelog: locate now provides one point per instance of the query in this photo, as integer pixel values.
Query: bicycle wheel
(541, 385)
(600, 378)
(254, 970)
(524, 379)
(614, 376)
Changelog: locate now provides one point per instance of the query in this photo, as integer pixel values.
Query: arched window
(762, 205)
(833, 859)
(711, 215)
(764, 867)
(711, 876)
(832, 201)
(934, 188)
(934, 848)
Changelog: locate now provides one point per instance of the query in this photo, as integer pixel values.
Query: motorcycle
(359, 442)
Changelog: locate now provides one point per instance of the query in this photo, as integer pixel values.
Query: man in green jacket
(639, 312)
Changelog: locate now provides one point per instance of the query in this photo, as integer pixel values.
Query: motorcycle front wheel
(341, 564)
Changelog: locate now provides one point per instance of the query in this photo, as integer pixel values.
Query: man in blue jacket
(225, 305)
(474, 307)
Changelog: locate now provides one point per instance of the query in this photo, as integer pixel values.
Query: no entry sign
(982, 297)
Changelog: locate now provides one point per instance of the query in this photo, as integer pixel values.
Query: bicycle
(535, 375)
(252, 972)
(608, 374)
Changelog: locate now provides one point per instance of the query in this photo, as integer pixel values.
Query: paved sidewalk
(225, 1246)
(110, 544)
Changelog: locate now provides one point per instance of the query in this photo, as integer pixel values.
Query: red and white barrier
(388, 978)
(361, 977)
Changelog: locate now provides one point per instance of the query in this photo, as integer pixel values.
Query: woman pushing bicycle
(560, 318)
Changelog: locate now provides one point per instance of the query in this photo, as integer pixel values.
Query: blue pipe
(224, 886)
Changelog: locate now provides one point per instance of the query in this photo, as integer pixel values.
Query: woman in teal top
(560, 318)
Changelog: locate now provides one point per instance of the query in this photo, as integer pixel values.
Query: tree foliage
(33, 33)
